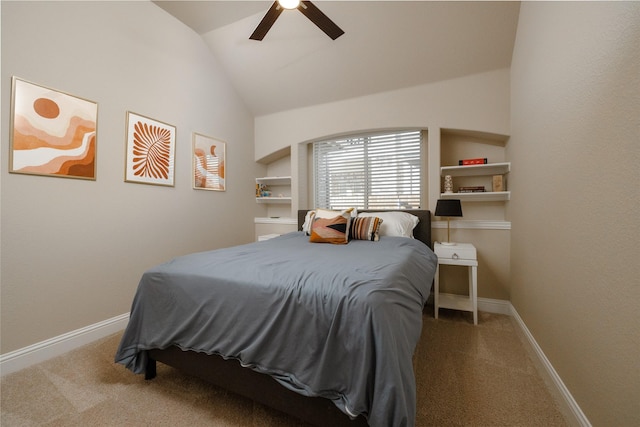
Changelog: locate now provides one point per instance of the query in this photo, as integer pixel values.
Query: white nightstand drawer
(457, 251)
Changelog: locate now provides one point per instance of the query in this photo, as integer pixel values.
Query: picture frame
(52, 133)
(209, 163)
(150, 152)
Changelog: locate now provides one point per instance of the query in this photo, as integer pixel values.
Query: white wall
(575, 143)
(74, 250)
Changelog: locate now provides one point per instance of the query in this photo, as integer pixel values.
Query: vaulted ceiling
(387, 45)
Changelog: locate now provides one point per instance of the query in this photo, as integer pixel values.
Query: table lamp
(448, 208)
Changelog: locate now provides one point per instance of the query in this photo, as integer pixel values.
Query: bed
(322, 333)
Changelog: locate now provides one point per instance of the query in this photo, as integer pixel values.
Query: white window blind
(375, 171)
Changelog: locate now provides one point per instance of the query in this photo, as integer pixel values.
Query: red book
(478, 161)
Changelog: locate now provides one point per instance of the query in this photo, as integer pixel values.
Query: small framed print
(209, 161)
(151, 148)
(52, 133)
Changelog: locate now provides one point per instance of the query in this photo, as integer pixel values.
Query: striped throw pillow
(365, 228)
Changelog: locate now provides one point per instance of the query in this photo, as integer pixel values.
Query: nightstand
(462, 254)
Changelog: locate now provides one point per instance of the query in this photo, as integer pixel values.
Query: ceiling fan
(307, 8)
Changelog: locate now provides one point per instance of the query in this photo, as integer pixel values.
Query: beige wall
(479, 102)
(575, 143)
(72, 250)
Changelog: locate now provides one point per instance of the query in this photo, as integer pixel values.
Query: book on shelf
(473, 189)
(476, 161)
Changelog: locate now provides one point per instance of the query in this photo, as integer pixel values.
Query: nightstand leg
(473, 290)
(436, 290)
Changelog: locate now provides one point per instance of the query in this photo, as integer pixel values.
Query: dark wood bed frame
(261, 388)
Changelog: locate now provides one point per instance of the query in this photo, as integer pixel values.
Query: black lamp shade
(448, 207)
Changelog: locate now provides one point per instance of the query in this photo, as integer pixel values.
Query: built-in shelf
(277, 183)
(476, 170)
(276, 220)
(273, 199)
(274, 180)
(484, 196)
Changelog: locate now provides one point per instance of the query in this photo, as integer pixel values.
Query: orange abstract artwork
(208, 163)
(150, 151)
(53, 133)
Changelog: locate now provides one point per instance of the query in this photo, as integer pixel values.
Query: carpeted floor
(467, 376)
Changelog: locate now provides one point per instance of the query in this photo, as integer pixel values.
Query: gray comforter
(338, 321)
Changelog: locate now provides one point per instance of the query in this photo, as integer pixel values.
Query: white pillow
(395, 223)
(308, 220)
(324, 213)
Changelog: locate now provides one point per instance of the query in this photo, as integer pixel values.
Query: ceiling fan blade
(320, 19)
(267, 22)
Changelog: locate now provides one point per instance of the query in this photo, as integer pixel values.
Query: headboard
(422, 231)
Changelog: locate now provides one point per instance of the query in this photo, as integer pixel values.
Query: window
(375, 171)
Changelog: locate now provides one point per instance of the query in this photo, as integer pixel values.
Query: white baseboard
(580, 417)
(496, 306)
(56, 346)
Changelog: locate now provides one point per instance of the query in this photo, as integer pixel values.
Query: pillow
(365, 228)
(394, 223)
(331, 230)
(308, 220)
(324, 213)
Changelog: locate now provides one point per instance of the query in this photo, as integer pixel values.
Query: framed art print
(209, 155)
(151, 148)
(52, 133)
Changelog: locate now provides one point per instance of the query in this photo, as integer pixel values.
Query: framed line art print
(151, 150)
(52, 133)
(209, 161)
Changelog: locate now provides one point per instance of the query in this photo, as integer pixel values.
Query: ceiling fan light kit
(289, 4)
(307, 8)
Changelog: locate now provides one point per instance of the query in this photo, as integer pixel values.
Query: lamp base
(448, 243)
